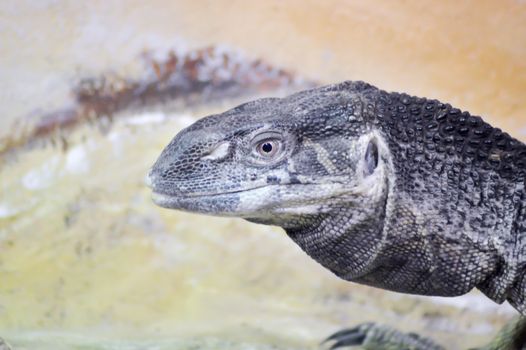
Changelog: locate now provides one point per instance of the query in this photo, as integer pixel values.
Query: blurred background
(92, 91)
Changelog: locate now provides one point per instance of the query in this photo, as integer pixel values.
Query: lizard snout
(149, 179)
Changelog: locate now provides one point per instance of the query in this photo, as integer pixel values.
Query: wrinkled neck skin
(347, 239)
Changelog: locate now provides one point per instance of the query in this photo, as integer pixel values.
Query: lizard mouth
(158, 194)
(217, 204)
(160, 197)
(270, 199)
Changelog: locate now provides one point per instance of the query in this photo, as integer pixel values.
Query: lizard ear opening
(371, 158)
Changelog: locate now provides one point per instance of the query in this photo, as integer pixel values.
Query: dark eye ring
(268, 148)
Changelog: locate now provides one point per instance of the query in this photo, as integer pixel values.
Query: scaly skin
(371, 336)
(384, 189)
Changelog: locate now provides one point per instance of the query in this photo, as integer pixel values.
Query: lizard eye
(268, 148)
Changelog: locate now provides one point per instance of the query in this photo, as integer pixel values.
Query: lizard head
(273, 160)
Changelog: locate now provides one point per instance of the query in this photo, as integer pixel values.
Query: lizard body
(385, 189)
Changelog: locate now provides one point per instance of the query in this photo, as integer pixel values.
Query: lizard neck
(346, 239)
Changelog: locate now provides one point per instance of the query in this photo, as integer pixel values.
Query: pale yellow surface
(84, 254)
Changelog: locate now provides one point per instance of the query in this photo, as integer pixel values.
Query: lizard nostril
(218, 152)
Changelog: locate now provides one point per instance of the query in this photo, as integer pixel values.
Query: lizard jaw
(259, 201)
(217, 205)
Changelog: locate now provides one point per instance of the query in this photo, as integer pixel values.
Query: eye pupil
(267, 147)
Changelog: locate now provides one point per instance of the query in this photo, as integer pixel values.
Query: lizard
(385, 189)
